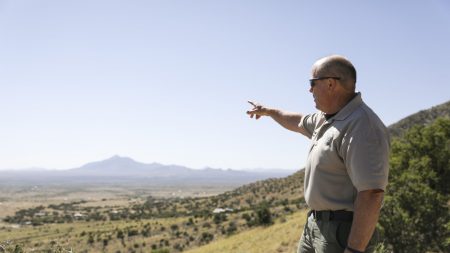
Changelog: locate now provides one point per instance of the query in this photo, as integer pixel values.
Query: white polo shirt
(349, 153)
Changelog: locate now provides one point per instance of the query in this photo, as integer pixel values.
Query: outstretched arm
(288, 120)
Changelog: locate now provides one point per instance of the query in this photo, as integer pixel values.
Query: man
(347, 166)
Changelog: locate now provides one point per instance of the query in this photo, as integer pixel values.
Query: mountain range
(118, 169)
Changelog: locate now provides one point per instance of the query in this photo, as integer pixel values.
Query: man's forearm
(366, 213)
(288, 120)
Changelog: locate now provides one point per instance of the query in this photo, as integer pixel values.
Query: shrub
(231, 228)
(263, 214)
(133, 232)
(206, 237)
(415, 216)
(219, 218)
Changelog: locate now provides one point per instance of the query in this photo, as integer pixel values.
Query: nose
(311, 89)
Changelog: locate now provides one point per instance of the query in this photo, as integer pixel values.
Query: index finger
(252, 103)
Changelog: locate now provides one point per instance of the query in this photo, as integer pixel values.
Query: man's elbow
(373, 191)
(372, 195)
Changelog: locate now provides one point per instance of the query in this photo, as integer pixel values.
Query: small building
(40, 214)
(222, 210)
(78, 215)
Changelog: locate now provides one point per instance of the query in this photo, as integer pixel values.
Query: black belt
(339, 215)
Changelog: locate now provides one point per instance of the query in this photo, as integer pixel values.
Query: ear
(331, 84)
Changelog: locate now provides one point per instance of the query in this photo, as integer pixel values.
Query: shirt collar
(348, 108)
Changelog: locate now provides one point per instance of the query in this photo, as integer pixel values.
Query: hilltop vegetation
(422, 118)
(416, 217)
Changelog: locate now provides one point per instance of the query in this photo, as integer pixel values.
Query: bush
(231, 228)
(415, 216)
(120, 234)
(263, 214)
(91, 239)
(133, 232)
(219, 218)
(174, 227)
(206, 237)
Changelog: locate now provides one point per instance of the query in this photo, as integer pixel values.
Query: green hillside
(424, 117)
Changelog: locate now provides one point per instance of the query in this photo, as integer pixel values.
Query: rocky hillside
(423, 117)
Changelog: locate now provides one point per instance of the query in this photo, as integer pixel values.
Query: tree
(120, 234)
(219, 218)
(232, 227)
(174, 227)
(263, 214)
(206, 237)
(415, 216)
(105, 242)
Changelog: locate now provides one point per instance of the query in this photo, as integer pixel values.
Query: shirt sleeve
(365, 151)
(309, 123)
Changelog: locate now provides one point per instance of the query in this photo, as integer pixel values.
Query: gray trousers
(328, 237)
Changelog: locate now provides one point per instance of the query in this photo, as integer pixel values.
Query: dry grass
(280, 238)
(68, 235)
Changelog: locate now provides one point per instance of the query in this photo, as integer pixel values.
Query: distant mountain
(124, 170)
(118, 166)
(126, 167)
(423, 117)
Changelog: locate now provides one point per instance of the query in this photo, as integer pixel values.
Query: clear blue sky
(168, 81)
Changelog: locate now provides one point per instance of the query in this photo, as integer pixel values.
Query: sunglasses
(311, 81)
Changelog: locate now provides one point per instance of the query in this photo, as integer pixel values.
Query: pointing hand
(258, 110)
